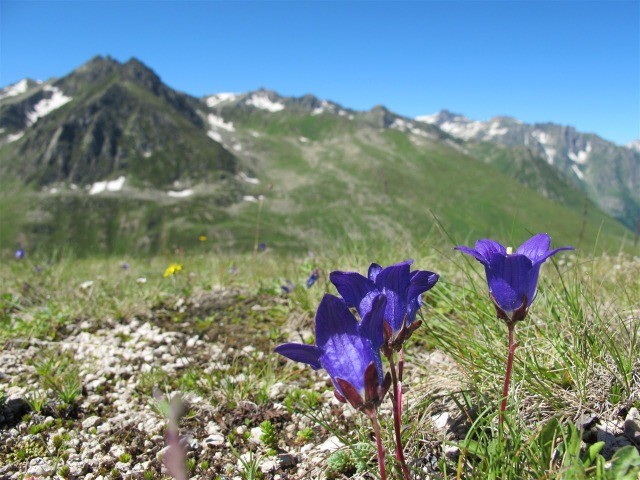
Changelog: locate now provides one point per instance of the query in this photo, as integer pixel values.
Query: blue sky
(570, 62)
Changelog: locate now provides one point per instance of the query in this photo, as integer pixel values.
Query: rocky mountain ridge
(608, 173)
(103, 120)
(153, 167)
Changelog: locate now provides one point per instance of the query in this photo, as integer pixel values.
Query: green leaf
(574, 471)
(573, 441)
(592, 453)
(547, 437)
(625, 464)
(474, 448)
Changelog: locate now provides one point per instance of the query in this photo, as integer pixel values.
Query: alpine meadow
(256, 286)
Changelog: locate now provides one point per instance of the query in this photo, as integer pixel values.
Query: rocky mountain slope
(152, 169)
(106, 119)
(608, 173)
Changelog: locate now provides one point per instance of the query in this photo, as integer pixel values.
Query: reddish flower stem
(396, 400)
(507, 377)
(376, 429)
(400, 371)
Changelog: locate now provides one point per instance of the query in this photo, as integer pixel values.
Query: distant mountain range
(150, 168)
(608, 173)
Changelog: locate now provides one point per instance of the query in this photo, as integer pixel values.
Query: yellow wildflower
(172, 269)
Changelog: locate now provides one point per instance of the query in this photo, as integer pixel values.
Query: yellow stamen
(509, 250)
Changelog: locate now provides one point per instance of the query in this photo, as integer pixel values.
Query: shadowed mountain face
(107, 119)
(110, 159)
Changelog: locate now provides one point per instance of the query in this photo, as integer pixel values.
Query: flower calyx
(393, 343)
(374, 393)
(517, 315)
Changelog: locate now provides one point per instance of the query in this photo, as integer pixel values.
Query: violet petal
(299, 352)
(509, 280)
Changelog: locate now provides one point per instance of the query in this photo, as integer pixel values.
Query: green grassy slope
(370, 185)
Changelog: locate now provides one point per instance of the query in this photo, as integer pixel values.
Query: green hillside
(370, 185)
(342, 184)
(298, 174)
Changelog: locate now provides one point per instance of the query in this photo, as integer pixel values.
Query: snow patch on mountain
(181, 193)
(540, 136)
(262, 101)
(321, 109)
(12, 137)
(47, 105)
(15, 89)
(406, 126)
(107, 185)
(433, 118)
(218, 122)
(246, 178)
(400, 124)
(327, 107)
(462, 127)
(465, 129)
(582, 156)
(634, 145)
(213, 135)
(455, 125)
(577, 171)
(544, 141)
(420, 133)
(550, 153)
(496, 129)
(219, 98)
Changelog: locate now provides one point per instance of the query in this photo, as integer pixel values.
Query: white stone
(256, 433)
(451, 452)
(440, 421)
(268, 465)
(276, 390)
(91, 422)
(212, 427)
(39, 466)
(116, 451)
(331, 444)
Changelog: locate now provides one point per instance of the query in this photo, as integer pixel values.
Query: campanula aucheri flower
(512, 277)
(348, 350)
(402, 287)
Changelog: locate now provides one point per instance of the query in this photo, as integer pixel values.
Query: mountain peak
(138, 72)
(136, 61)
(99, 62)
(634, 145)
(379, 109)
(18, 88)
(443, 116)
(117, 117)
(101, 66)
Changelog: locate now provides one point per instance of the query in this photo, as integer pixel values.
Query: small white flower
(141, 280)
(86, 285)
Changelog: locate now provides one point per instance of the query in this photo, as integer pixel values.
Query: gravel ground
(116, 428)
